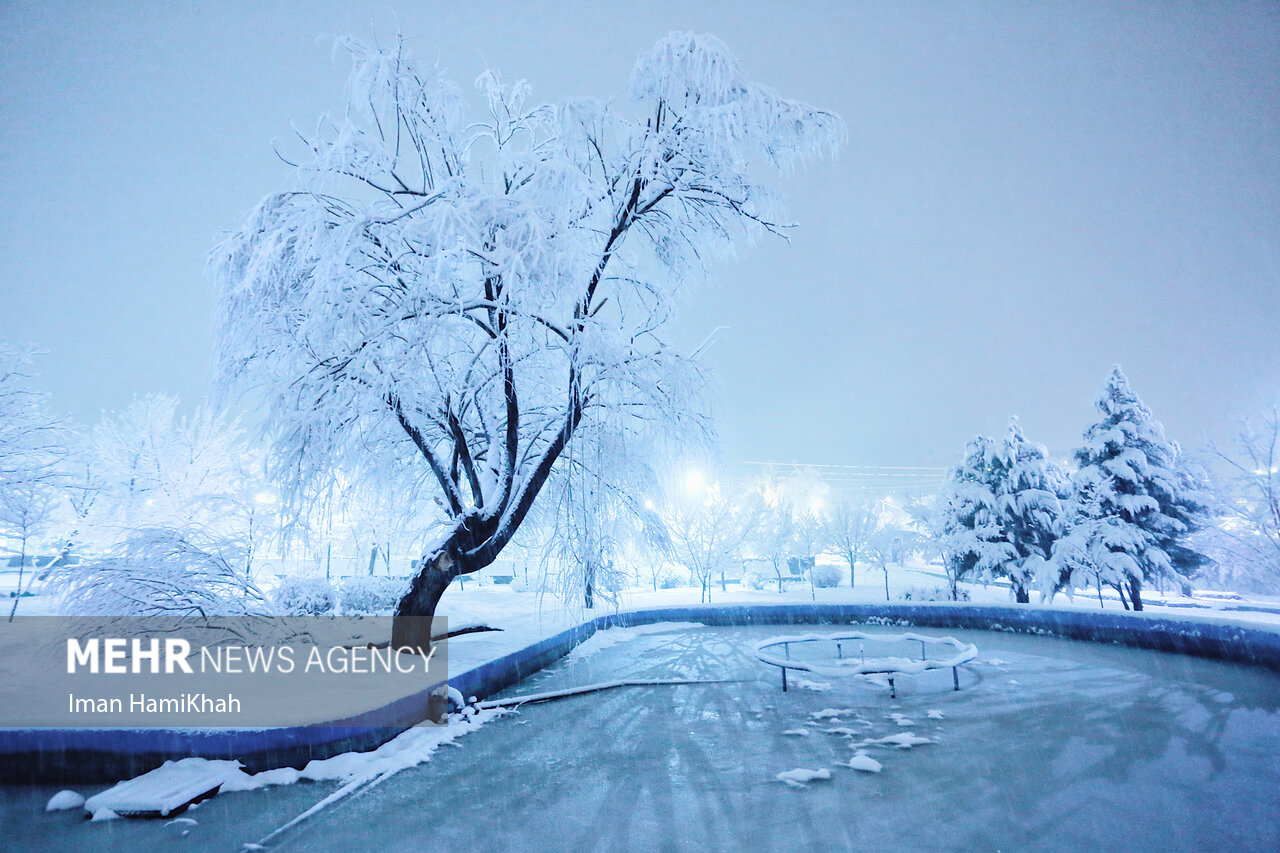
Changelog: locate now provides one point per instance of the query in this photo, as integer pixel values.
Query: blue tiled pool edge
(105, 755)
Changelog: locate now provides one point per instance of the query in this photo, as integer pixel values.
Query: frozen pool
(1049, 744)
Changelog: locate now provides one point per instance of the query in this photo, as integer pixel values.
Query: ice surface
(1190, 741)
(601, 640)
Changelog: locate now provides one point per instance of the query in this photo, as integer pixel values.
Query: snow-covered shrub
(531, 581)
(936, 593)
(825, 576)
(165, 579)
(669, 577)
(366, 594)
(299, 596)
(758, 576)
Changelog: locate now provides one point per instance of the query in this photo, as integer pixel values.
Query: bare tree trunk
(22, 565)
(1135, 593)
(884, 567)
(411, 624)
(1020, 594)
(1101, 606)
(1120, 589)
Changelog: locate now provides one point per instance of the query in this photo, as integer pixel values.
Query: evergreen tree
(1000, 511)
(973, 539)
(1029, 490)
(1134, 501)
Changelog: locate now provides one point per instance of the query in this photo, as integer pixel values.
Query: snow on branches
(440, 306)
(1134, 502)
(1000, 511)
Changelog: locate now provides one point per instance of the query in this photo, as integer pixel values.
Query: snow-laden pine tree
(1134, 501)
(1030, 492)
(440, 305)
(970, 534)
(1000, 511)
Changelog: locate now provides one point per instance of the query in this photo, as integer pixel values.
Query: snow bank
(178, 782)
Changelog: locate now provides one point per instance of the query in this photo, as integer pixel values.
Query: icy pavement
(1049, 744)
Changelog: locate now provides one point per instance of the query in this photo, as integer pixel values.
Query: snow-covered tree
(707, 529)
(596, 513)
(1135, 500)
(160, 468)
(774, 537)
(33, 448)
(1000, 512)
(972, 537)
(849, 526)
(440, 306)
(1030, 491)
(1246, 540)
(886, 543)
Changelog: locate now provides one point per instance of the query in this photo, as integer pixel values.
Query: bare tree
(849, 527)
(32, 451)
(775, 535)
(1246, 540)
(886, 544)
(441, 306)
(707, 529)
(596, 510)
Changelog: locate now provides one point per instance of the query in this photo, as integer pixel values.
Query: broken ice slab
(165, 791)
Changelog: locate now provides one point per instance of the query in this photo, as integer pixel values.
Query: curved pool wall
(106, 755)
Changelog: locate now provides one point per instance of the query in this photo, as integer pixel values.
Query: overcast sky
(1030, 194)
